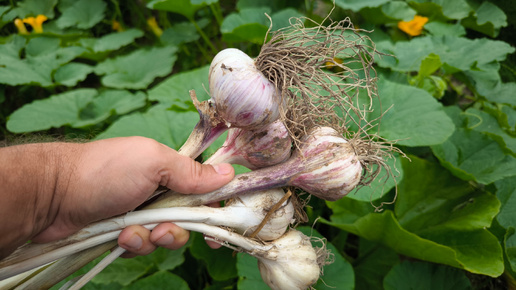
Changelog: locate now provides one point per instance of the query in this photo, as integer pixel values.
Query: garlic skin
(267, 146)
(242, 96)
(291, 263)
(261, 203)
(335, 169)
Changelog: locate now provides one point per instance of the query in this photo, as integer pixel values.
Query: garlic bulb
(291, 263)
(261, 203)
(242, 96)
(254, 149)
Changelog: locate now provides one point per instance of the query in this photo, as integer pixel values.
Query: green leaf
(488, 19)
(430, 199)
(356, 5)
(458, 53)
(506, 193)
(109, 103)
(55, 111)
(398, 10)
(338, 274)
(510, 247)
(165, 126)
(137, 69)
(429, 65)
(43, 56)
(442, 9)
(436, 28)
(382, 184)
(425, 276)
(249, 276)
(221, 264)
(183, 7)
(72, 73)
(35, 7)
(477, 252)
(281, 18)
(82, 14)
(112, 41)
(471, 155)
(250, 24)
(174, 91)
(183, 32)
(484, 122)
(160, 280)
(123, 271)
(373, 263)
(409, 105)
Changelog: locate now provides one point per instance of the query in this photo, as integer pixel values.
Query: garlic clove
(292, 263)
(243, 97)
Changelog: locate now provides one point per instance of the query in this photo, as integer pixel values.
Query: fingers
(189, 176)
(138, 240)
(135, 239)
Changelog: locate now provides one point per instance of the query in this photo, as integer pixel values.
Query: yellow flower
(117, 26)
(36, 23)
(333, 63)
(414, 26)
(21, 27)
(154, 26)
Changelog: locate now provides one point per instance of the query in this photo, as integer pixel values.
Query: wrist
(30, 177)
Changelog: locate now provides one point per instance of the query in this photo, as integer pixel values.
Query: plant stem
(203, 35)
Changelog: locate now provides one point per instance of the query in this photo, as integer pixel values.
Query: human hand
(110, 177)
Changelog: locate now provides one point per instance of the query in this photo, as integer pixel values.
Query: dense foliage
(93, 69)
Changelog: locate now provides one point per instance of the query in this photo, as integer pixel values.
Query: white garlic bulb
(291, 263)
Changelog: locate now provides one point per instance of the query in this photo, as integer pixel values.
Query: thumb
(189, 176)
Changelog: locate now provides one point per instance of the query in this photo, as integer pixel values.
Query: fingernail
(223, 169)
(135, 242)
(165, 240)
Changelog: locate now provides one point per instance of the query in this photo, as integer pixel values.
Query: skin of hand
(79, 183)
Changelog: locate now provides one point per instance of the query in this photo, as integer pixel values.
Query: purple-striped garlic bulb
(242, 95)
(255, 149)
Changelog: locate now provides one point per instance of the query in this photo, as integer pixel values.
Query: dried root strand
(320, 72)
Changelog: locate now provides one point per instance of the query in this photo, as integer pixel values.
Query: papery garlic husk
(255, 149)
(242, 96)
(292, 263)
(262, 202)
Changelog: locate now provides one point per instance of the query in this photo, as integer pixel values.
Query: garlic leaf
(137, 69)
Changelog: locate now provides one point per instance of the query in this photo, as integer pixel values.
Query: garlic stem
(205, 132)
(243, 215)
(97, 269)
